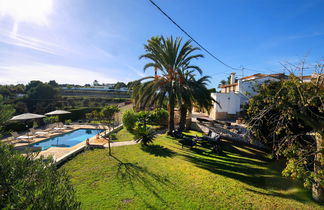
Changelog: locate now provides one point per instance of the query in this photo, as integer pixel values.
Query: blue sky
(78, 41)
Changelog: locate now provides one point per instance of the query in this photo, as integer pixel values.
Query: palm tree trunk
(318, 188)
(171, 113)
(183, 117)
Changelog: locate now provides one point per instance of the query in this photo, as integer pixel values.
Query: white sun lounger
(38, 133)
(25, 137)
(15, 135)
(41, 133)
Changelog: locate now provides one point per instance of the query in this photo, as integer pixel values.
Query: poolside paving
(60, 153)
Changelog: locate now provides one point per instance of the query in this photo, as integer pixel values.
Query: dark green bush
(78, 114)
(159, 116)
(28, 183)
(51, 119)
(16, 126)
(144, 118)
(144, 134)
(129, 120)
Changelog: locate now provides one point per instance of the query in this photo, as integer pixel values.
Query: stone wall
(232, 132)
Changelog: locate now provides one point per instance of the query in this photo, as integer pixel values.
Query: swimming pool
(67, 139)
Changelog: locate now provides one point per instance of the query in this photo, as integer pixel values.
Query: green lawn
(124, 135)
(165, 176)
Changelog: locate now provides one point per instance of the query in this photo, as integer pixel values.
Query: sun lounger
(41, 133)
(25, 137)
(38, 133)
(15, 135)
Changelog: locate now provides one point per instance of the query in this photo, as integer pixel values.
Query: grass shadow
(247, 165)
(298, 195)
(158, 150)
(133, 174)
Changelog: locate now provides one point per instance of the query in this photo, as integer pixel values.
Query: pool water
(68, 139)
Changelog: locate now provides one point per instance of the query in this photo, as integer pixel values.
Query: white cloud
(32, 11)
(13, 74)
(31, 43)
(138, 72)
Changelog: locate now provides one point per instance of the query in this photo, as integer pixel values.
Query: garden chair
(187, 142)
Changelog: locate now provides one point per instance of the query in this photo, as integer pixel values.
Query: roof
(230, 85)
(259, 76)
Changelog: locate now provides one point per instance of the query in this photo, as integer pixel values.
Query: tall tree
(41, 97)
(282, 115)
(6, 112)
(119, 85)
(168, 57)
(192, 92)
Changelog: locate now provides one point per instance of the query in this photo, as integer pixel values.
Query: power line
(207, 51)
(242, 68)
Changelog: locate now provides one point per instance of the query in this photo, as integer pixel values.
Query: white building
(234, 95)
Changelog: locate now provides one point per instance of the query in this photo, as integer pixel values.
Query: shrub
(78, 114)
(159, 116)
(16, 126)
(129, 120)
(52, 119)
(68, 122)
(28, 183)
(144, 134)
(144, 118)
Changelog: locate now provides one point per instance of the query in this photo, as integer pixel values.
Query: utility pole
(242, 68)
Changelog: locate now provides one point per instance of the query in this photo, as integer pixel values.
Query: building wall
(232, 88)
(229, 105)
(233, 97)
(249, 87)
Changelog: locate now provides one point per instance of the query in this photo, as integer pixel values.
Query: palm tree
(222, 82)
(167, 57)
(191, 92)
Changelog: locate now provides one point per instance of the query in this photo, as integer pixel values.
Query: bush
(78, 114)
(144, 135)
(16, 126)
(68, 122)
(144, 118)
(28, 183)
(159, 116)
(129, 120)
(52, 119)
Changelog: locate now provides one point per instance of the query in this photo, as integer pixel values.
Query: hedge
(78, 114)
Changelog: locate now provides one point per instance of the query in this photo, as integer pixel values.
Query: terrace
(62, 152)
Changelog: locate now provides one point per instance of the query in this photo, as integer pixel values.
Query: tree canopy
(41, 97)
(284, 115)
(29, 183)
(172, 64)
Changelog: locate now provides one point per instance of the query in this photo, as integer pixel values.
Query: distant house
(109, 85)
(232, 96)
(317, 78)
